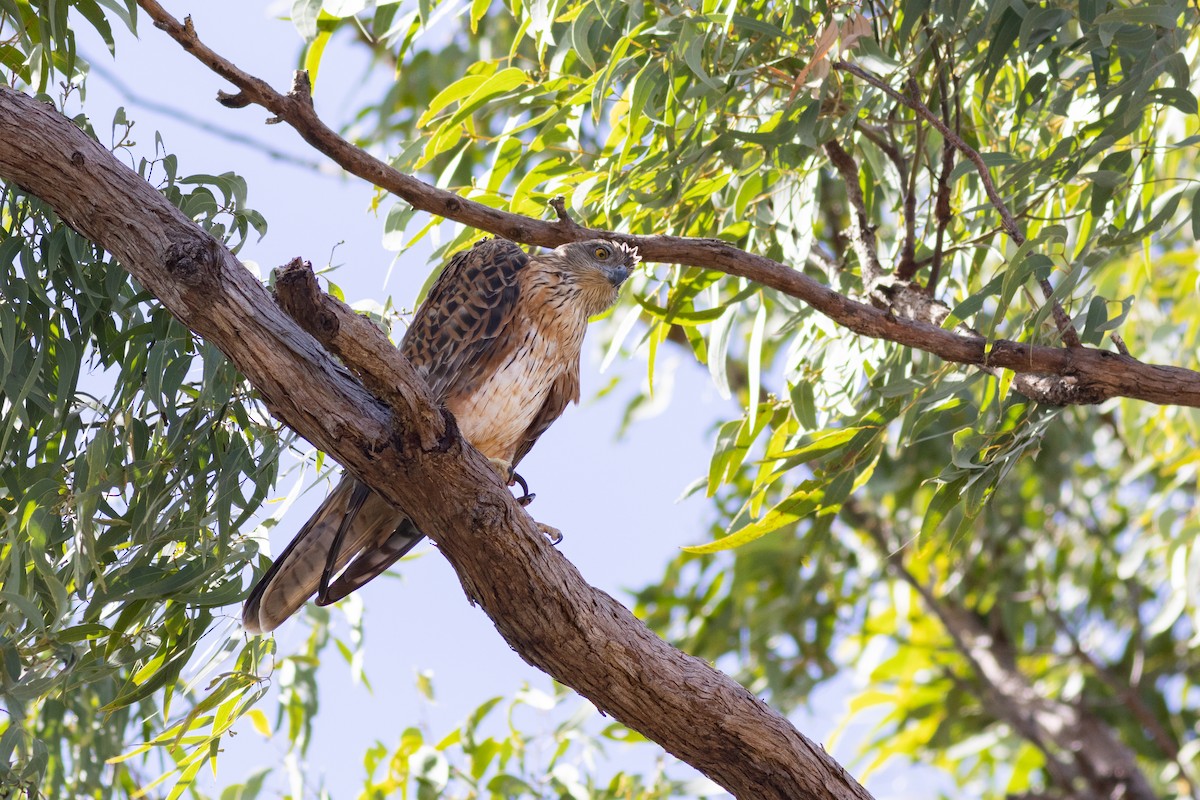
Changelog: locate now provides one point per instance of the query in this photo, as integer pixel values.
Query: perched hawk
(498, 342)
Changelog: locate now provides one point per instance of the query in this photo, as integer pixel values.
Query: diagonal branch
(1083, 755)
(412, 455)
(1125, 691)
(1084, 375)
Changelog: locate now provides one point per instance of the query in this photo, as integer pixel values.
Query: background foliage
(875, 511)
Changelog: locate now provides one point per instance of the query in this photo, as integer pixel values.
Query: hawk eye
(601, 252)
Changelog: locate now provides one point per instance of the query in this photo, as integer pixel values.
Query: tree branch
(1127, 693)
(362, 347)
(1096, 757)
(862, 236)
(1082, 753)
(537, 599)
(941, 210)
(1089, 375)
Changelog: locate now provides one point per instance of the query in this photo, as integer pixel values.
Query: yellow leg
(503, 468)
(553, 533)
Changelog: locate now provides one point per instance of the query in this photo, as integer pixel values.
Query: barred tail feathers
(377, 534)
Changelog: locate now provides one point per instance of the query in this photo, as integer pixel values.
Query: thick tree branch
(411, 455)
(1087, 375)
(1096, 757)
(1124, 690)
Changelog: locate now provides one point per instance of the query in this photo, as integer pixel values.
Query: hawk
(498, 341)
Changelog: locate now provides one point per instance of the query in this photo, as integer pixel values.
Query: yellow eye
(601, 252)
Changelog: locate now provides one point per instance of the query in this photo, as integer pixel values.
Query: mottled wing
(452, 338)
(452, 342)
(564, 392)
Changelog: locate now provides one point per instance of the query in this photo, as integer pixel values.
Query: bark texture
(410, 452)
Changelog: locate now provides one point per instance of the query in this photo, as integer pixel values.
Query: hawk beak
(617, 275)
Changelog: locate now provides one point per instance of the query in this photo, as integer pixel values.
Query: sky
(613, 498)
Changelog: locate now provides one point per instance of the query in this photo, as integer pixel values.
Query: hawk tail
(373, 536)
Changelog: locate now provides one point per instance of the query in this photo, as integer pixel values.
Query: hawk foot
(552, 533)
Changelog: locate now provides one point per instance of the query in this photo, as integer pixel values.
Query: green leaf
(461, 88)
(1164, 15)
(798, 506)
(313, 53)
(304, 18)
(676, 317)
(502, 82)
(946, 498)
(754, 361)
(479, 10)
(92, 12)
(821, 444)
(718, 350)
(691, 42)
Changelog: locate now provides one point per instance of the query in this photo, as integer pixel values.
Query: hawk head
(596, 269)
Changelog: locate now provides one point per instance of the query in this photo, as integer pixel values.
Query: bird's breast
(498, 413)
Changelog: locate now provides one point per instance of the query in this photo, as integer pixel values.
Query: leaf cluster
(134, 461)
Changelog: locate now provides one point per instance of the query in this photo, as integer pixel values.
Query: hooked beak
(617, 275)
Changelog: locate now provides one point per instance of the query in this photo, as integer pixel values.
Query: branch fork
(363, 348)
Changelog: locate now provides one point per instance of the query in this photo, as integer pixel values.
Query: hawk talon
(526, 497)
(552, 533)
(510, 477)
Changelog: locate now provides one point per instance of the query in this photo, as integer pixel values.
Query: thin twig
(559, 204)
(908, 267)
(1006, 217)
(879, 137)
(199, 123)
(862, 236)
(942, 212)
(1065, 328)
